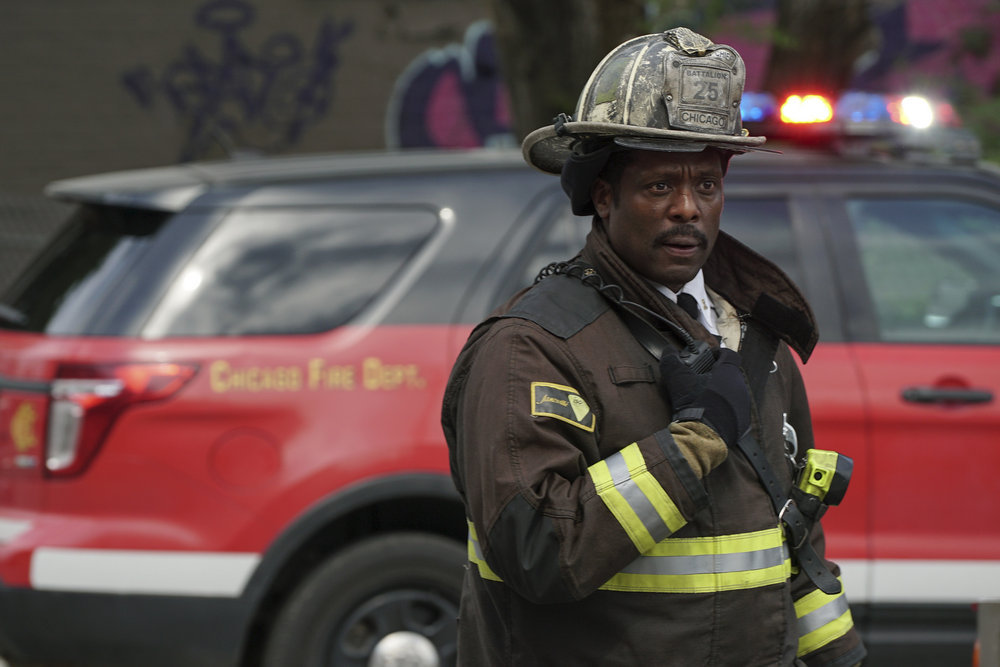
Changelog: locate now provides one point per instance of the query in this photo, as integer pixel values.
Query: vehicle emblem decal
(22, 427)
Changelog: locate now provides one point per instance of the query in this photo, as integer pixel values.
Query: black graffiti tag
(242, 98)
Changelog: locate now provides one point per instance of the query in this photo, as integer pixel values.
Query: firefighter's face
(663, 217)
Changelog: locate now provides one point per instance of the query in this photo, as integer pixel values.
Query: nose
(683, 206)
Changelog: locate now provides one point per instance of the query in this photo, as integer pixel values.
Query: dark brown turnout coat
(592, 541)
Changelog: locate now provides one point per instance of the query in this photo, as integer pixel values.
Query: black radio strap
(757, 352)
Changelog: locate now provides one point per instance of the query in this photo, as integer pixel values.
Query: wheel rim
(404, 648)
(416, 617)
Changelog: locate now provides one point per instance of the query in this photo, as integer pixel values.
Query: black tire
(396, 582)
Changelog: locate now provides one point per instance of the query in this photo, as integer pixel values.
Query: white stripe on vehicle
(10, 529)
(914, 581)
(218, 574)
(143, 572)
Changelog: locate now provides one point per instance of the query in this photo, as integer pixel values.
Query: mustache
(685, 231)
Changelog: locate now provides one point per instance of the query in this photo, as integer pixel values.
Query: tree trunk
(816, 45)
(549, 48)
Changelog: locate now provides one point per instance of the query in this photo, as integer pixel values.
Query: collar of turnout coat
(754, 285)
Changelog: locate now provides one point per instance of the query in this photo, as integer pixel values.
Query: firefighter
(625, 453)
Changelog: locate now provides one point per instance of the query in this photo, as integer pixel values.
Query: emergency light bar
(862, 122)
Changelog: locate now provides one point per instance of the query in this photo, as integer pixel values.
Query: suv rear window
(93, 255)
(271, 271)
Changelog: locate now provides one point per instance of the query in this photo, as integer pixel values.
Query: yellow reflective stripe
(476, 556)
(697, 583)
(822, 618)
(665, 507)
(708, 564)
(720, 544)
(635, 498)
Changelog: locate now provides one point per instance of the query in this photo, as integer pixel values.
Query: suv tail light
(88, 398)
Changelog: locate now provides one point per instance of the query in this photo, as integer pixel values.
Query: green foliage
(699, 15)
(979, 108)
(982, 116)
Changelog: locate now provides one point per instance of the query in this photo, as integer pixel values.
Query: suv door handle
(946, 395)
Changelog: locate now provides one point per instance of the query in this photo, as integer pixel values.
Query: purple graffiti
(451, 97)
(920, 45)
(241, 98)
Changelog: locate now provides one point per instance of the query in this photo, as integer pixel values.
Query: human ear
(601, 195)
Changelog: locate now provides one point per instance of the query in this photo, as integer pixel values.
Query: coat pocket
(631, 374)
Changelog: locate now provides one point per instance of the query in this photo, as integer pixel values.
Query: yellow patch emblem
(563, 403)
(580, 407)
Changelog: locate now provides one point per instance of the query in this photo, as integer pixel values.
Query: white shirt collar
(695, 288)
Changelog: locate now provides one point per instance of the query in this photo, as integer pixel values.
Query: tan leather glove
(701, 446)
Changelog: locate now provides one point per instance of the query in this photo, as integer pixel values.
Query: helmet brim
(547, 150)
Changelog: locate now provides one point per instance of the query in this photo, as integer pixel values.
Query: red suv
(220, 392)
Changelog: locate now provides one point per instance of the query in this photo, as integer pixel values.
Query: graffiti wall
(451, 97)
(239, 94)
(122, 84)
(942, 45)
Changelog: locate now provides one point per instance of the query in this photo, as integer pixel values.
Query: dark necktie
(689, 304)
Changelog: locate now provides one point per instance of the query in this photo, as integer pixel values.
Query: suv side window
(563, 238)
(766, 226)
(272, 271)
(932, 267)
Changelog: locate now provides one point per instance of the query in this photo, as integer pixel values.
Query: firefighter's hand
(718, 398)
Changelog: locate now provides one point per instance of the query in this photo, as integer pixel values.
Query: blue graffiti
(451, 98)
(244, 99)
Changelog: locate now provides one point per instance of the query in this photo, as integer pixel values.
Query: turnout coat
(592, 540)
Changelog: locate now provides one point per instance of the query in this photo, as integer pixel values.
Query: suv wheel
(395, 596)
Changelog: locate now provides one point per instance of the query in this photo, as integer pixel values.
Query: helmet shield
(673, 91)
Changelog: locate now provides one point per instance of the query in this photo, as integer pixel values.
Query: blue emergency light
(900, 124)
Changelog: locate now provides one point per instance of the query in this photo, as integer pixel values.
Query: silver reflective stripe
(475, 547)
(476, 556)
(709, 564)
(636, 499)
(828, 613)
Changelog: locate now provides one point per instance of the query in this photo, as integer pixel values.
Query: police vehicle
(220, 389)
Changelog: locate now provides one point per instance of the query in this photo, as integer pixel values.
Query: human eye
(709, 185)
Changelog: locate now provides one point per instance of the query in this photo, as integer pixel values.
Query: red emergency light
(806, 109)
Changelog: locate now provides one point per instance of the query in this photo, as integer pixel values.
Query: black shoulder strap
(561, 304)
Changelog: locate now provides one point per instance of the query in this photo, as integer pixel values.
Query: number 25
(707, 90)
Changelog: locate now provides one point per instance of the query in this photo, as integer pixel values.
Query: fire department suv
(220, 391)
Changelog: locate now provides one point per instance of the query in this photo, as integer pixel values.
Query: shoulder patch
(561, 402)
